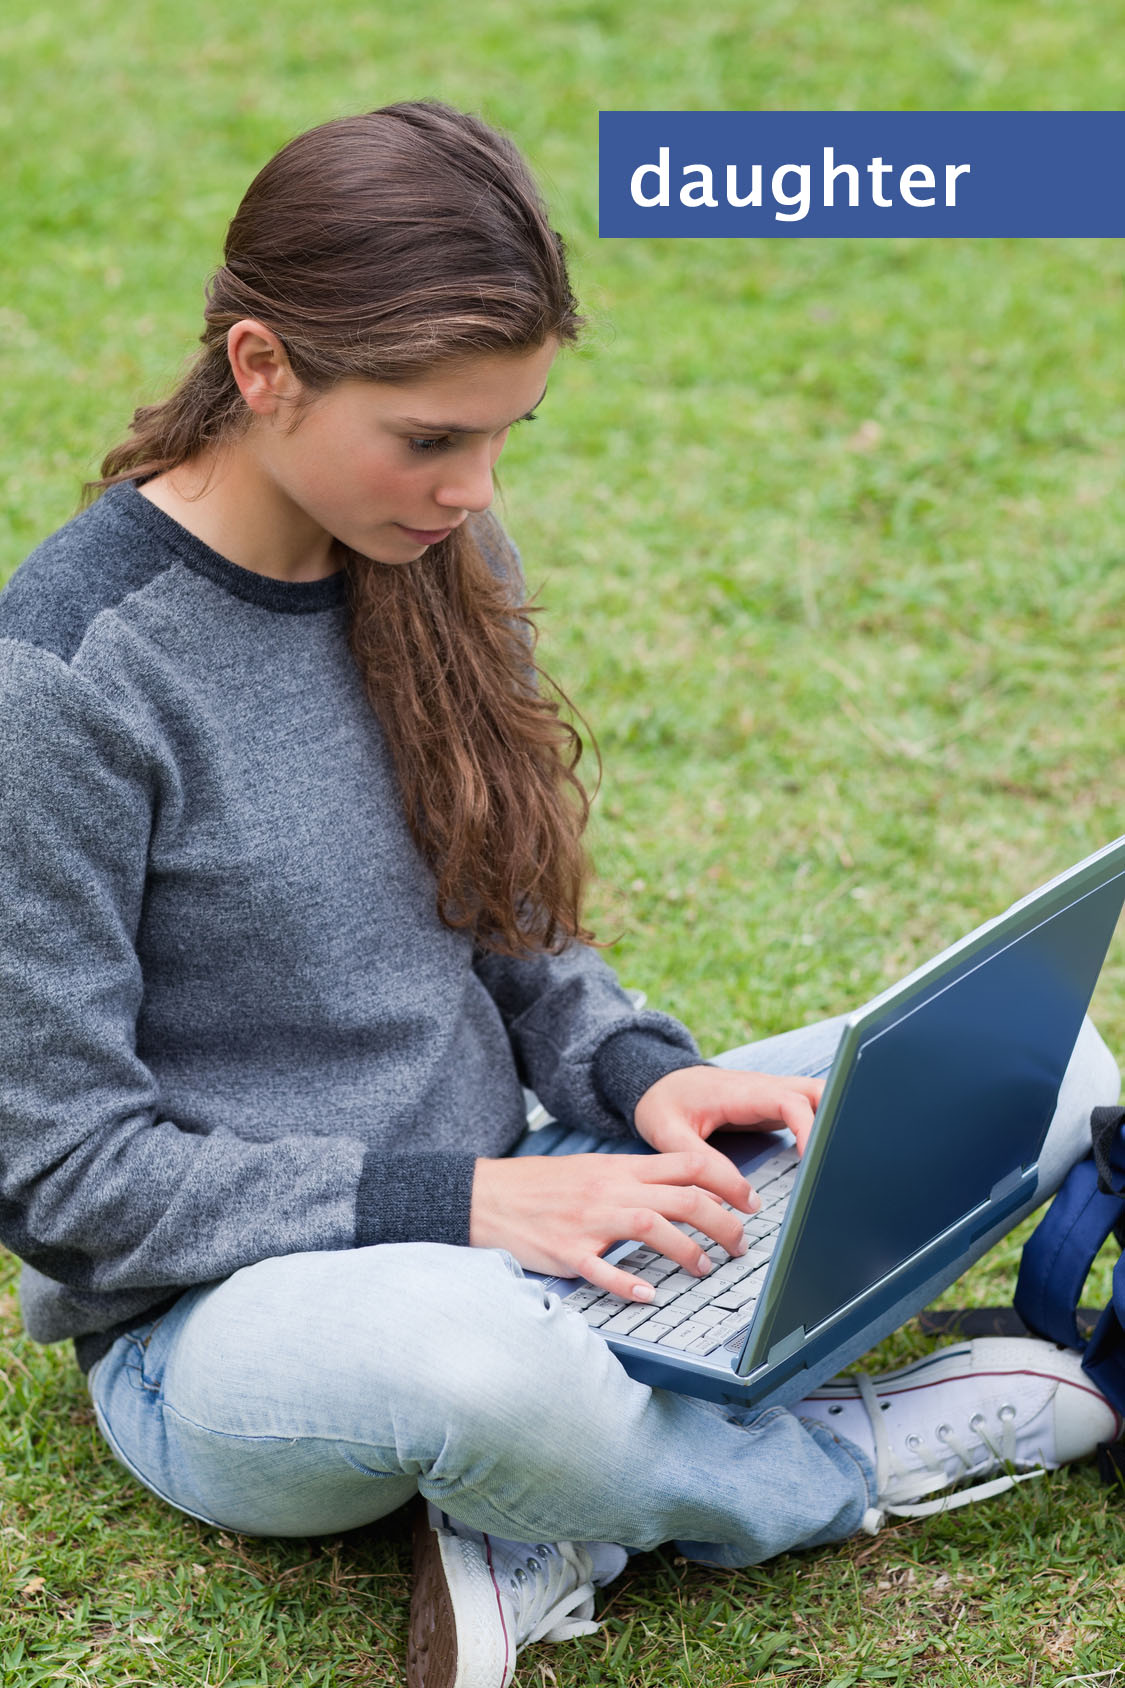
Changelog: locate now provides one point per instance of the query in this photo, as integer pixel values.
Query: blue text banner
(782, 174)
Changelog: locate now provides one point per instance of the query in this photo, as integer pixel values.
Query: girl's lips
(422, 537)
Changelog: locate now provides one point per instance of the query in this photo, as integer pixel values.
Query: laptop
(925, 1150)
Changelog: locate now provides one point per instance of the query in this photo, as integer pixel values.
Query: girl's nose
(468, 487)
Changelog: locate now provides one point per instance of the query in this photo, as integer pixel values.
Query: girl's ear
(260, 366)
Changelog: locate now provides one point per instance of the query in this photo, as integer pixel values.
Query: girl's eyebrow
(459, 427)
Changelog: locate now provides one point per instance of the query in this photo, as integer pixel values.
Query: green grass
(830, 540)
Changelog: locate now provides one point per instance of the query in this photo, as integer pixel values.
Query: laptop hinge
(788, 1345)
(1005, 1186)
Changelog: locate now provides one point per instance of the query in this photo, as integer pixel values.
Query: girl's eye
(442, 442)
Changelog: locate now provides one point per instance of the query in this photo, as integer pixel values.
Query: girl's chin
(392, 554)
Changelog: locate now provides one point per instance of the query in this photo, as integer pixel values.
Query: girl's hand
(683, 1108)
(561, 1214)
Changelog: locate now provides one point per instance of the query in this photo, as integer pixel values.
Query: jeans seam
(135, 1365)
(227, 1435)
(337, 1443)
(272, 1436)
(135, 1472)
(140, 1347)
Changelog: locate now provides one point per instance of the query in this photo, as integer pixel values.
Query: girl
(292, 852)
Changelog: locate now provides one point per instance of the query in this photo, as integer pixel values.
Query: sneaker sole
(454, 1596)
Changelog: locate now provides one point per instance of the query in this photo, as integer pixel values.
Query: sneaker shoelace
(935, 1461)
(549, 1589)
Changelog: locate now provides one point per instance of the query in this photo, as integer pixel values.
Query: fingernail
(704, 1266)
(741, 1247)
(644, 1292)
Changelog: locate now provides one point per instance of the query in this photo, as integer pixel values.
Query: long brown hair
(384, 246)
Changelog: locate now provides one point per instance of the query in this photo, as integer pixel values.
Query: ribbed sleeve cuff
(629, 1063)
(414, 1198)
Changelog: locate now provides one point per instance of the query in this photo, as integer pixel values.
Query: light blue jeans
(312, 1393)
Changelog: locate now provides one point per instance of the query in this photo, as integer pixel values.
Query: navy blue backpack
(1090, 1204)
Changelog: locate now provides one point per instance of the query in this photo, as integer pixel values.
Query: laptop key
(682, 1337)
(739, 1295)
(626, 1319)
(734, 1323)
(600, 1312)
(731, 1299)
(759, 1227)
(732, 1273)
(738, 1317)
(673, 1286)
(686, 1305)
(773, 1169)
(777, 1195)
(708, 1317)
(585, 1297)
(654, 1328)
(706, 1344)
(765, 1174)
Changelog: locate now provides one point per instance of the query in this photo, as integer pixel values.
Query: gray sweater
(231, 1023)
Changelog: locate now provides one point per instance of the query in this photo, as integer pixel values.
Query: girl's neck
(228, 501)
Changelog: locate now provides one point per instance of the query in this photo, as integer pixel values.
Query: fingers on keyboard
(690, 1314)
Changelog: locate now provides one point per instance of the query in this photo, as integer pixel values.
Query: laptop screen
(949, 1098)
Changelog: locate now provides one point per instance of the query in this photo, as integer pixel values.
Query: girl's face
(389, 469)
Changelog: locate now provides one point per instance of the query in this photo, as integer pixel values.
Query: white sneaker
(479, 1598)
(966, 1412)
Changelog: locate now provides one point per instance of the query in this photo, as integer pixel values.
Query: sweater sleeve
(98, 1191)
(580, 1043)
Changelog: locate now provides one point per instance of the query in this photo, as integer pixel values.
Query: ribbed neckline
(290, 597)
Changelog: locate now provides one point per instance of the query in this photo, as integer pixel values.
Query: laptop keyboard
(699, 1315)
